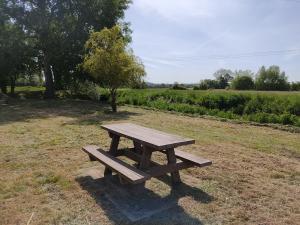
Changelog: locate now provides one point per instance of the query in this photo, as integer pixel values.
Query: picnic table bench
(145, 141)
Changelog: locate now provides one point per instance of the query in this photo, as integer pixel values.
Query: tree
(177, 86)
(139, 84)
(60, 29)
(295, 86)
(271, 79)
(110, 62)
(208, 84)
(242, 82)
(223, 76)
(15, 53)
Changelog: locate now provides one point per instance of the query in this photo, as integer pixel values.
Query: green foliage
(249, 106)
(15, 54)
(208, 84)
(30, 80)
(85, 90)
(223, 76)
(109, 61)
(271, 79)
(59, 30)
(242, 82)
(295, 86)
(138, 84)
(178, 86)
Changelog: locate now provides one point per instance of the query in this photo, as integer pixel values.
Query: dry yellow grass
(254, 179)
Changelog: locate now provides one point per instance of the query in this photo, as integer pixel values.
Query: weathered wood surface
(112, 150)
(145, 142)
(155, 169)
(130, 173)
(189, 160)
(197, 161)
(161, 170)
(155, 139)
(172, 160)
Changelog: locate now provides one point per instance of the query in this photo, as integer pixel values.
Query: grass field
(254, 179)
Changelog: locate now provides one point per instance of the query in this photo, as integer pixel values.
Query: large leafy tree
(60, 29)
(271, 79)
(110, 62)
(3, 20)
(16, 54)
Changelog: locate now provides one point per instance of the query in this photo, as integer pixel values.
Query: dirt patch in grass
(254, 179)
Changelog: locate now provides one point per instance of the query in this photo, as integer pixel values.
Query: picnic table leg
(138, 150)
(137, 147)
(172, 159)
(146, 158)
(115, 139)
(144, 164)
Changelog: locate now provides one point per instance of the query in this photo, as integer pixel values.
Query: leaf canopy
(109, 60)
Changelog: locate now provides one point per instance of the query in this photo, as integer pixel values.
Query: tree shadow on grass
(129, 204)
(84, 112)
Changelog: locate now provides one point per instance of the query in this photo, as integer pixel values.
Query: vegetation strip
(273, 107)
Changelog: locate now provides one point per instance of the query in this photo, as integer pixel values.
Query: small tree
(208, 84)
(243, 80)
(223, 76)
(295, 86)
(177, 86)
(110, 62)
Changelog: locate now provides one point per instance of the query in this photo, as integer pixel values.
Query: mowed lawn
(254, 179)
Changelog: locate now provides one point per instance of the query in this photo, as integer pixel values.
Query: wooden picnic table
(145, 141)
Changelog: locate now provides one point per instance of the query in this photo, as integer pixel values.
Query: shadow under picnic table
(127, 204)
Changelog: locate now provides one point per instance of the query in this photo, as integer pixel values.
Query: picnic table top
(147, 136)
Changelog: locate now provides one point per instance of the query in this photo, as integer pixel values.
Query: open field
(254, 179)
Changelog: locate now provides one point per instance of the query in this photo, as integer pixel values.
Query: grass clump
(53, 179)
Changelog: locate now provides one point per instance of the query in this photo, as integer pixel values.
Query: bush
(242, 83)
(85, 90)
(208, 84)
(295, 86)
(177, 86)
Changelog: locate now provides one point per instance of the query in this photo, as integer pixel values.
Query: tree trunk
(113, 100)
(12, 84)
(49, 83)
(3, 87)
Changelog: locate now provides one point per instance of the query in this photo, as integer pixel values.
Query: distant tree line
(270, 79)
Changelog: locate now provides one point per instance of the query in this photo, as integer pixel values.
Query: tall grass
(261, 107)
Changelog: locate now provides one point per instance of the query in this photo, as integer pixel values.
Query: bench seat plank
(185, 156)
(130, 173)
(190, 159)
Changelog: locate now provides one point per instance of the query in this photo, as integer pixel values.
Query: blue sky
(188, 40)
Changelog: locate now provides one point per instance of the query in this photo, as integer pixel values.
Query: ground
(254, 179)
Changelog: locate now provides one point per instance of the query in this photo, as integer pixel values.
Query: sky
(188, 40)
